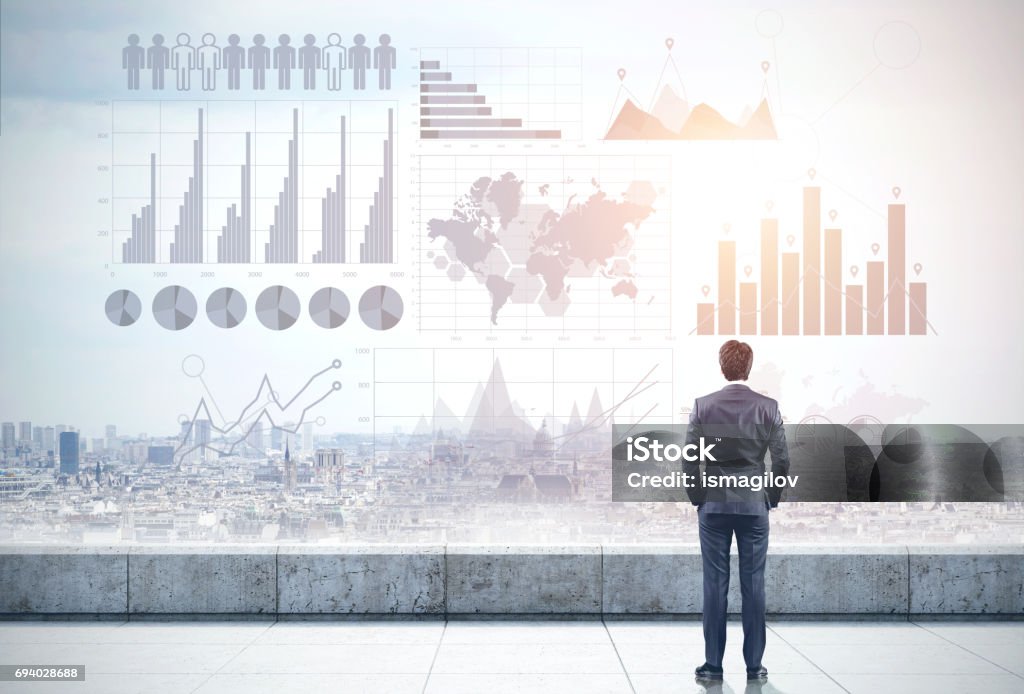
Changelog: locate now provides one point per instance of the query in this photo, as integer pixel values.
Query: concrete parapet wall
(465, 580)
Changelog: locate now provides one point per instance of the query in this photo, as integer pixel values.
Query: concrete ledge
(843, 580)
(371, 580)
(525, 579)
(471, 581)
(63, 580)
(667, 579)
(655, 579)
(238, 579)
(968, 580)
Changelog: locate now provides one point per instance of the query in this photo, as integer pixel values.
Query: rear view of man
(743, 425)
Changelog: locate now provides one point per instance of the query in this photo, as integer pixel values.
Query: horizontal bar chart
(500, 94)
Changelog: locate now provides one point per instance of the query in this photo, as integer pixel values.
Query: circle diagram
(226, 307)
(329, 308)
(174, 307)
(380, 307)
(123, 307)
(277, 307)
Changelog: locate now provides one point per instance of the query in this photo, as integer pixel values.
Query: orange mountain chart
(672, 118)
(701, 123)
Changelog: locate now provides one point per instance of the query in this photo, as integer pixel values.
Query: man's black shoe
(757, 674)
(709, 672)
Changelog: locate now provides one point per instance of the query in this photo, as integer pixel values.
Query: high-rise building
(202, 432)
(37, 438)
(59, 429)
(69, 453)
(276, 438)
(98, 445)
(49, 440)
(255, 437)
(111, 437)
(24, 432)
(7, 435)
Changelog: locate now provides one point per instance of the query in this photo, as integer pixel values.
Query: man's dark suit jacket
(743, 425)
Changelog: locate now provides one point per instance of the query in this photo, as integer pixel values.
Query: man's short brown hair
(736, 359)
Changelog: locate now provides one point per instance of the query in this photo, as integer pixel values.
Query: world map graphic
(528, 248)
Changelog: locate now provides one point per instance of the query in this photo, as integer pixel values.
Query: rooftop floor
(507, 656)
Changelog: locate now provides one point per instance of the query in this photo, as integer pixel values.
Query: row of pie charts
(277, 307)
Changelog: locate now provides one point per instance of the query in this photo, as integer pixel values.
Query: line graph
(569, 397)
(197, 431)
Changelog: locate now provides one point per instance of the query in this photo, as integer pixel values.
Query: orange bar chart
(833, 282)
(918, 308)
(748, 308)
(726, 287)
(805, 293)
(790, 293)
(876, 297)
(854, 309)
(769, 277)
(812, 260)
(896, 288)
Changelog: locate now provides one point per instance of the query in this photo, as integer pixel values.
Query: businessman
(744, 426)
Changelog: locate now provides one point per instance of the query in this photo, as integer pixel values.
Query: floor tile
(306, 683)
(297, 633)
(527, 683)
(473, 632)
(151, 658)
(910, 659)
(540, 658)
(736, 684)
(183, 632)
(113, 684)
(54, 632)
(847, 633)
(333, 658)
(656, 658)
(931, 684)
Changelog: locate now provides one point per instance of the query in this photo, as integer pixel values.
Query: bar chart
(253, 182)
(806, 294)
(500, 93)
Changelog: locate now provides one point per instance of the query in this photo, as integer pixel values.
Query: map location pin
(832, 214)
(854, 270)
(768, 205)
(874, 248)
(764, 66)
(669, 42)
(811, 173)
(705, 290)
(727, 227)
(917, 268)
(790, 239)
(747, 270)
(622, 73)
(896, 190)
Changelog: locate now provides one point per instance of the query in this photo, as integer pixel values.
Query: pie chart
(226, 307)
(123, 307)
(329, 308)
(380, 307)
(174, 307)
(277, 307)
